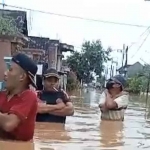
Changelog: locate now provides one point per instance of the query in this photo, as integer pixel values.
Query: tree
(72, 82)
(8, 27)
(135, 84)
(90, 60)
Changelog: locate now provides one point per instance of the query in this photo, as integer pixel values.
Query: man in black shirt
(54, 103)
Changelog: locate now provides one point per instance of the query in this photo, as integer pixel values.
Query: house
(37, 48)
(63, 47)
(53, 50)
(132, 70)
(52, 58)
(42, 50)
(37, 55)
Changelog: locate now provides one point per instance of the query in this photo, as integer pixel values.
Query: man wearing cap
(18, 104)
(114, 100)
(55, 104)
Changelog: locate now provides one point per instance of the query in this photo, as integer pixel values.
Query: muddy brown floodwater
(85, 131)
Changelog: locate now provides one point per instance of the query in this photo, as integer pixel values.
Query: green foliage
(91, 59)
(71, 84)
(7, 26)
(137, 84)
(101, 80)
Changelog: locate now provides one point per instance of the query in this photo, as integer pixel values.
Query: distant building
(132, 70)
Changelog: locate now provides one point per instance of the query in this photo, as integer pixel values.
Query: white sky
(74, 31)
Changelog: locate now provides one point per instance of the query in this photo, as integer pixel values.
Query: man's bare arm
(102, 104)
(8, 122)
(110, 104)
(46, 108)
(103, 107)
(68, 110)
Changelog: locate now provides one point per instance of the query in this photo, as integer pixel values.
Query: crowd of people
(21, 106)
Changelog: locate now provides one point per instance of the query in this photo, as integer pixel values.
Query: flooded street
(85, 131)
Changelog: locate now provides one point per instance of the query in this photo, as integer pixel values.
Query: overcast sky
(74, 31)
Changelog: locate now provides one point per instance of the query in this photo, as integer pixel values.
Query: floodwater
(85, 130)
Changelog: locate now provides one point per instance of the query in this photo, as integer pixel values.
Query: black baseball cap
(27, 65)
(51, 72)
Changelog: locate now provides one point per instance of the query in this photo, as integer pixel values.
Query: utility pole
(3, 2)
(126, 62)
(111, 68)
(147, 90)
(123, 52)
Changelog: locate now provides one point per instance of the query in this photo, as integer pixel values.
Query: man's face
(50, 83)
(112, 85)
(14, 76)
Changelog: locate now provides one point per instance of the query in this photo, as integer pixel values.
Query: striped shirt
(115, 114)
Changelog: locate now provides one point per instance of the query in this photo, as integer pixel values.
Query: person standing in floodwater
(18, 104)
(114, 100)
(54, 103)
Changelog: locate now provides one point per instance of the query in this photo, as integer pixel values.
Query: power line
(147, 29)
(144, 61)
(76, 17)
(141, 44)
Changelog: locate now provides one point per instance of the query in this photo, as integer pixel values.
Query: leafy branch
(8, 27)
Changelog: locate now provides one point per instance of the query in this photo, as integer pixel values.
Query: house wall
(37, 55)
(134, 69)
(52, 56)
(65, 82)
(59, 60)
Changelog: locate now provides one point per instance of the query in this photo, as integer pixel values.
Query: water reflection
(16, 145)
(53, 131)
(111, 134)
(85, 130)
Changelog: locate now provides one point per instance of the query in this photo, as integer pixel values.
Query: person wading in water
(18, 104)
(114, 100)
(54, 104)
